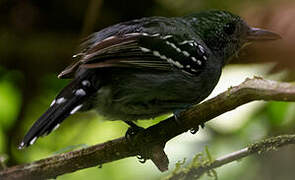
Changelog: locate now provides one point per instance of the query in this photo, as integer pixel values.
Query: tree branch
(152, 140)
(196, 169)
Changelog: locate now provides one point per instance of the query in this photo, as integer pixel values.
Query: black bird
(147, 67)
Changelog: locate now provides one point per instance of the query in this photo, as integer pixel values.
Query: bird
(144, 68)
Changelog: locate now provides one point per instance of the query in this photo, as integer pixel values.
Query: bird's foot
(132, 130)
(178, 112)
(178, 121)
(195, 130)
(177, 115)
(142, 159)
(130, 135)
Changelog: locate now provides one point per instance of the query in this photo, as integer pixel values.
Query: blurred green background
(38, 38)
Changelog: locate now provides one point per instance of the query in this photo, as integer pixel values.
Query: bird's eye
(229, 28)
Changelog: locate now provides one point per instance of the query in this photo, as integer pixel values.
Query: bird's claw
(130, 134)
(141, 159)
(195, 130)
(202, 125)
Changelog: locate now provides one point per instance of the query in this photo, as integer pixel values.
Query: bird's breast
(133, 95)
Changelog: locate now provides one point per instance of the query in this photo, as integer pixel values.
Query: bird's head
(225, 33)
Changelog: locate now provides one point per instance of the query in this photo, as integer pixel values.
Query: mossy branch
(197, 168)
(152, 140)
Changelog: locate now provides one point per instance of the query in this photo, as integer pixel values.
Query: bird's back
(142, 93)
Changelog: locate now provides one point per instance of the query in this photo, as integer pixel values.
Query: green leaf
(276, 112)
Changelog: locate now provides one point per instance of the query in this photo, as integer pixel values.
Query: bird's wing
(134, 50)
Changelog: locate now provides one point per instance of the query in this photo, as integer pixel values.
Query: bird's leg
(178, 121)
(131, 132)
(177, 115)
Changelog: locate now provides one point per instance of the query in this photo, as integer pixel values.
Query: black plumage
(144, 68)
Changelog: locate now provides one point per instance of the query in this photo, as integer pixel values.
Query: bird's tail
(68, 101)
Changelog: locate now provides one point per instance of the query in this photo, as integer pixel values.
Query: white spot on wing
(183, 42)
(170, 61)
(156, 53)
(186, 53)
(163, 57)
(80, 92)
(33, 140)
(53, 102)
(178, 64)
(60, 100)
(186, 42)
(145, 49)
(173, 46)
(194, 59)
(155, 35)
(55, 127)
(133, 34)
(201, 48)
(22, 145)
(86, 83)
(108, 38)
(77, 55)
(76, 109)
(167, 36)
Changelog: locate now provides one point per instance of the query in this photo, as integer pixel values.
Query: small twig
(154, 136)
(267, 145)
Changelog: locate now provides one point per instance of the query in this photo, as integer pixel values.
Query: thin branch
(152, 140)
(267, 145)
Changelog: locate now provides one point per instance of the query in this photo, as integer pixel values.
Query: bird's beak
(256, 34)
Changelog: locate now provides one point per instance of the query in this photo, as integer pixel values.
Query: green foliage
(10, 101)
(277, 112)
